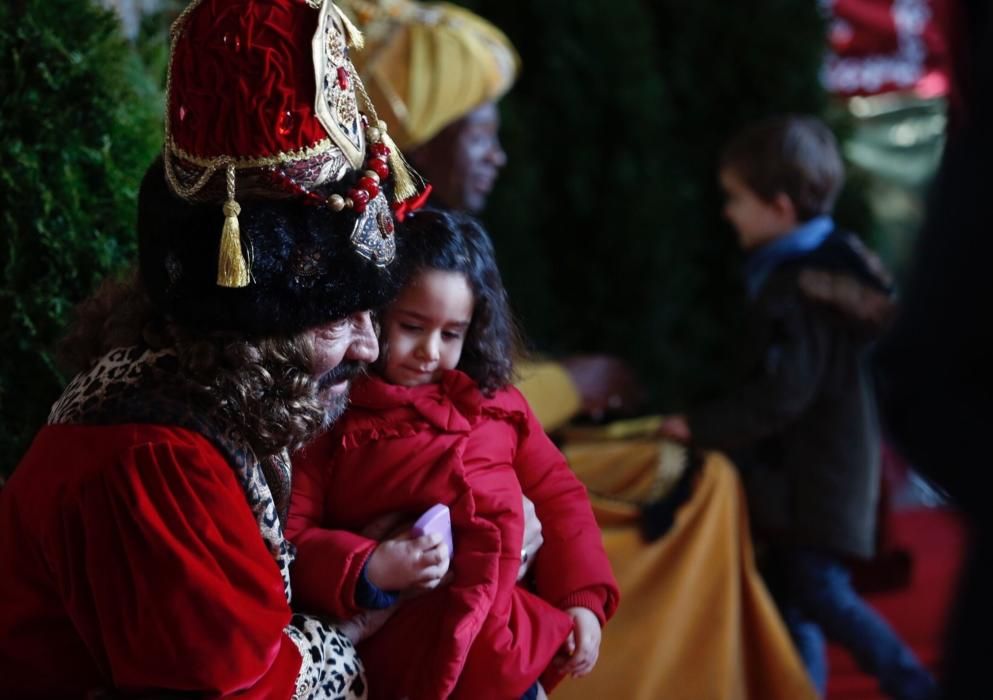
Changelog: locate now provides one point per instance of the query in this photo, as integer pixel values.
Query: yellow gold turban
(426, 65)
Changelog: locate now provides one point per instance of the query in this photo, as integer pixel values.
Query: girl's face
(425, 327)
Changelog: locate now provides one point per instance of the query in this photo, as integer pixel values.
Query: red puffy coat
(401, 449)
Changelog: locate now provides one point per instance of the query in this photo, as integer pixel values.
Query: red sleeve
(572, 568)
(329, 562)
(168, 581)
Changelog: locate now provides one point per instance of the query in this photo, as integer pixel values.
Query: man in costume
(141, 545)
(697, 621)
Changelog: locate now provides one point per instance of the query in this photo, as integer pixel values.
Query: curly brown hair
(261, 386)
(455, 242)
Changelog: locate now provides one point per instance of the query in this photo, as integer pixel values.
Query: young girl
(439, 422)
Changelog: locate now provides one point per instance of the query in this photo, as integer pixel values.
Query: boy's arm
(789, 379)
(571, 569)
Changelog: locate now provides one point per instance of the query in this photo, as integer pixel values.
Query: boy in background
(803, 422)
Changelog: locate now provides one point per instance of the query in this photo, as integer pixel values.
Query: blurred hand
(406, 563)
(387, 526)
(532, 538)
(606, 385)
(582, 648)
(675, 427)
(366, 623)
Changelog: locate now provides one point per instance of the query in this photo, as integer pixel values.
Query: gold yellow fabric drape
(550, 392)
(695, 620)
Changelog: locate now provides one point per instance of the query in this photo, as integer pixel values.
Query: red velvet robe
(129, 558)
(403, 449)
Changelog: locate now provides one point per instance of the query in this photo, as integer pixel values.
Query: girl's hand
(407, 563)
(583, 645)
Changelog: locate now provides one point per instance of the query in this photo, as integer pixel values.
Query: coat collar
(453, 404)
(804, 238)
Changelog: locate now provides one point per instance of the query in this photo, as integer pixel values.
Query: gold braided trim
(212, 165)
(352, 34)
(190, 191)
(320, 148)
(176, 25)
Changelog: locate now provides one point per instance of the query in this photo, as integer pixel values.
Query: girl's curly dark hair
(261, 386)
(452, 242)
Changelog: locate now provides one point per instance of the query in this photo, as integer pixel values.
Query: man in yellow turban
(437, 71)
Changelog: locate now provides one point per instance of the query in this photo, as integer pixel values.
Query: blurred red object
(880, 46)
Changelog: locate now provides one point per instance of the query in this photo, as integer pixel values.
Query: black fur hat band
(306, 268)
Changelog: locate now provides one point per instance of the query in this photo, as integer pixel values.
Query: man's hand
(582, 648)
(366, 623)
(387, 526)
(406, 563)
(676, 427)
(605, 384)
(532, 538)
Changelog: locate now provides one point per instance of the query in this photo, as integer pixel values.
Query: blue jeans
(819, 601)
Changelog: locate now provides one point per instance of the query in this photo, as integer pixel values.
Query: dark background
(606, 219)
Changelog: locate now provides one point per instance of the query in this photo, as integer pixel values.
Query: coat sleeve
(329, 563)
(777, 392)
(171, 586)
(571, 568)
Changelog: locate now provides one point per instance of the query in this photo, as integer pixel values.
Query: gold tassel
(352, 33)
(403, 179)
(404, 186)
(232, 268)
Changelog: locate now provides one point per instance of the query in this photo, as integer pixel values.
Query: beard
(333, 409)
(335, 404)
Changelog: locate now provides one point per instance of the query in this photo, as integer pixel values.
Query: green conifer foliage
(79, 123)
(607, 218)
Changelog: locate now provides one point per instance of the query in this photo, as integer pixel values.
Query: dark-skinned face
(463, 160)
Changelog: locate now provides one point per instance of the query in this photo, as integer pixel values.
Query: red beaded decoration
(366, 187)
(291, 186)
(379, 167)
(369, 185)
(359, 197)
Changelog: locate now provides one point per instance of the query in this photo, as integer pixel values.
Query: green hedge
(79, 123)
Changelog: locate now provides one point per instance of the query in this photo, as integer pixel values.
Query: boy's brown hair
(792, 154)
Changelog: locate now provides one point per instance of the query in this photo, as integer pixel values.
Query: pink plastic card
(436, 519)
